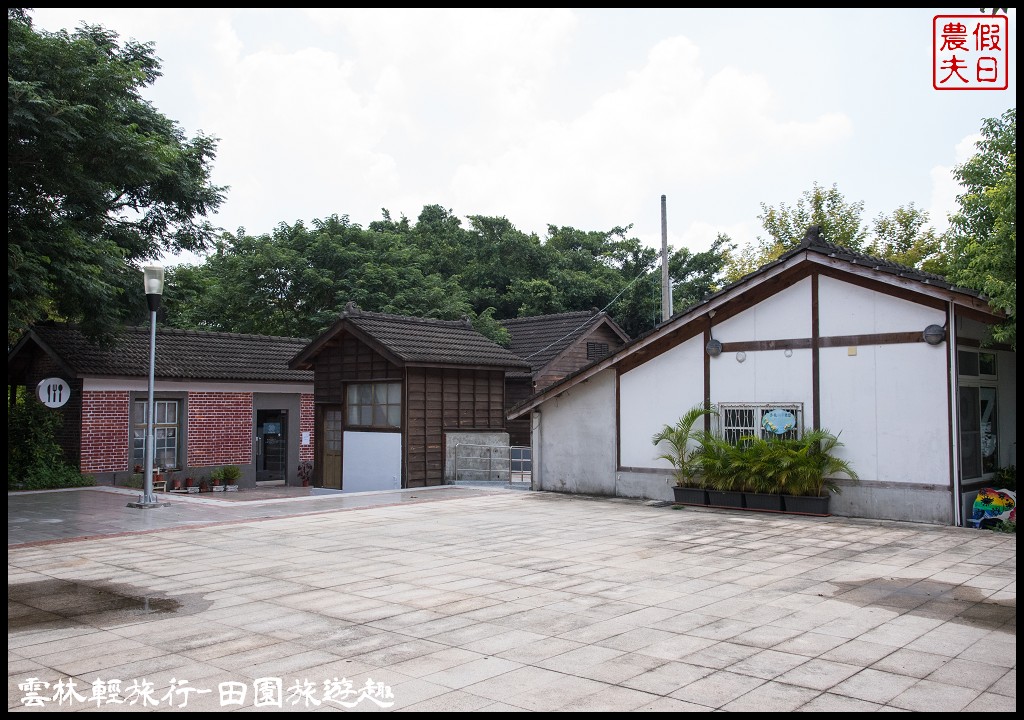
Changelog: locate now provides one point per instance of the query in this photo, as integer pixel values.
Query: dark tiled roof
(539, 339)
(815, 243)
(180, 354)
(812, 242)
(425, 340)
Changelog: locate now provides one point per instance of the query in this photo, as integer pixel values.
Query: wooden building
(555, 346)
(393, 394)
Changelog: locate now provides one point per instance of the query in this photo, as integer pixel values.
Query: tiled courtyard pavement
(533, 601)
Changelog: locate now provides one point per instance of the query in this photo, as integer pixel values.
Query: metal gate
(512, 465)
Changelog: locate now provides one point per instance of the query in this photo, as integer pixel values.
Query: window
(375, 405)
(976, 364)
(596, 350)
(764, 420)
(979, 430)
(166, 433)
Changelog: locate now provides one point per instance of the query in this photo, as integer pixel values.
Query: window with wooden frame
(166, 433)
(374, 405)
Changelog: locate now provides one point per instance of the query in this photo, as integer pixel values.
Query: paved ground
(470, 599)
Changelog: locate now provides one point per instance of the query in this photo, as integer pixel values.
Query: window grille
(737, 420)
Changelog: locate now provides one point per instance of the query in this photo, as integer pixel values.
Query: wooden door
(332, 445)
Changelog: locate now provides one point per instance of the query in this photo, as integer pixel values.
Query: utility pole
(666, 285)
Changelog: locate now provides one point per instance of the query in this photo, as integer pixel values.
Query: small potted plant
(306, 472)
(231, 474)
(216, 481)
(191, 485)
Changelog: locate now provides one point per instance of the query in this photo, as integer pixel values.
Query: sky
(564, 117)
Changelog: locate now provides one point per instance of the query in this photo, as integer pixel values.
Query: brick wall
(219, 428)
(105, 432)
(306, 424)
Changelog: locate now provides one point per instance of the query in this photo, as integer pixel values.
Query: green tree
(695, 275)
(638, 307)
(983, 233)
(840, 222)
(97, 179)
(903, 237)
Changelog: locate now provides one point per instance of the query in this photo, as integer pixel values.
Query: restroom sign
(53, 392)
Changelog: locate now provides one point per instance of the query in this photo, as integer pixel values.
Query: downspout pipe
(954, 418)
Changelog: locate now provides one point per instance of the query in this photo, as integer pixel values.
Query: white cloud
(667, 123)
(560, 116)
(945, 186)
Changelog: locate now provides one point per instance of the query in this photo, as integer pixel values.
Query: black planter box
(725, 498)
(690, 496)
(763, 501)
(806, 504)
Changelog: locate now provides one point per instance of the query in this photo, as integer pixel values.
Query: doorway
(271, 446)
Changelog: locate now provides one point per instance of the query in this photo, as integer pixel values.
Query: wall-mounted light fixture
(934, 334)
(714, 347)
(741, 356)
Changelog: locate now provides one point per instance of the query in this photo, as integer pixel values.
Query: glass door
(271, 445)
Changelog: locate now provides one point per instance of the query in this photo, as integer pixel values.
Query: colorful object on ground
(994, 506)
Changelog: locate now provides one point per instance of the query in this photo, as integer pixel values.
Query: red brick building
(220, 399)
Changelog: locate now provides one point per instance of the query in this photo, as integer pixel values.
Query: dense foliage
(97, 179)
(983, 236)
(295, 280)
(34, 459)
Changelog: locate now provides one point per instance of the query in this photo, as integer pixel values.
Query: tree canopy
(97, 179)
(295, 280)
(983, 233)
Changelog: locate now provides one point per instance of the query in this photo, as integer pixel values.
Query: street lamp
(153, 281)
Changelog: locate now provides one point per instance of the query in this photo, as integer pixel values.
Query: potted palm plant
(683, 443)
(813, 467)
(767, 469)
(724, 466)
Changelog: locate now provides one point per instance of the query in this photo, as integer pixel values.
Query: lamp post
(153, 280)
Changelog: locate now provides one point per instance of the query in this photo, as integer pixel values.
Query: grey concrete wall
(575, 434)
(647, 485)
(894, 501)
(488, 462)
